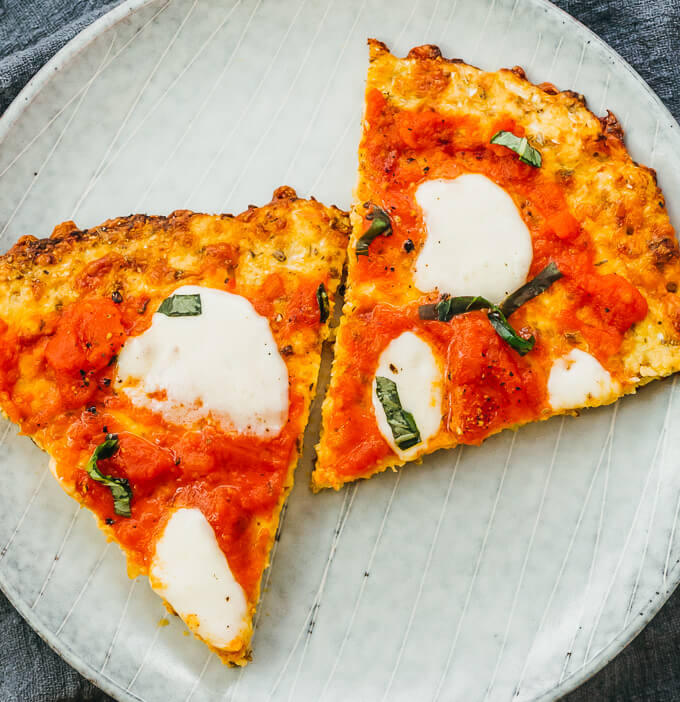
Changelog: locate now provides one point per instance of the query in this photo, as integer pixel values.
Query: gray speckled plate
(514, 569)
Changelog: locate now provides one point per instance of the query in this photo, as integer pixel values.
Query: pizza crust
(428, 117)
(275, 256)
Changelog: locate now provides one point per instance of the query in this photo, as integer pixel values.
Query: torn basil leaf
(508, 334)
(181, 306)
(449, 307)
(402, 423)
(120, 487)
(531, 289)
(380, 224)
(324, 304)
(520, 145)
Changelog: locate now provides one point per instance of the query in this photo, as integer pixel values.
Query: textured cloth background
(647, 34)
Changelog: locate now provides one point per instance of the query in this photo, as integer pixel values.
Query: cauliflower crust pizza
(509, 262)
(167, 365)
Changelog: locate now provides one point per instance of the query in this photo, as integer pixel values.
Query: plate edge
(16, 108)
(73, 46)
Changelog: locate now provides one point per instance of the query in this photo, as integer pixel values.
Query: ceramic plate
(514, 570)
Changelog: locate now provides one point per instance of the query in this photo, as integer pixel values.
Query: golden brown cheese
(589, 208)
(70, 303)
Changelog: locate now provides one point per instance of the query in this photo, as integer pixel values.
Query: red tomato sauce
(235, 480)
(489, 386)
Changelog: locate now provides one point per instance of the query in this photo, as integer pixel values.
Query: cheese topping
(578, 379)
(223, 362)
(410, 363)
(477, 243)
(191, 573)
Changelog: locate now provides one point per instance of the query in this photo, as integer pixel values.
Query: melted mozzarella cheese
(577, 380)
(477, 243)
(223, 362)
(410, 363)
(191, 573)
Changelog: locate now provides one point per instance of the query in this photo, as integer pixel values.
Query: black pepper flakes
(409, 246)
(116, 297)
(110, 521)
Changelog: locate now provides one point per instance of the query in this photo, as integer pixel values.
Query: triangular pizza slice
(167, 364)
(509, 262)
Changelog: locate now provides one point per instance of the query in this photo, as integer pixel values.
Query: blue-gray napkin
(647, 34)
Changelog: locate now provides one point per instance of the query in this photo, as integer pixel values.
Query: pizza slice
(167, 364)
(509, 262)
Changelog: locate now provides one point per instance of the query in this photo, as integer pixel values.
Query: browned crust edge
(610, 128)
(30, 250)
(610, 125)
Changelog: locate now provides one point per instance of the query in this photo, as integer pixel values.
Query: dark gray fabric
(30, 671)
(647, 34)
(32, 31)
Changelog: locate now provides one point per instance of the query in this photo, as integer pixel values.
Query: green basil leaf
(324, 304)
(120, 487)
(380, 224)
(181, 306)
(508, 334)
(531, 289)
(402, 423)
(520, 145)
(449, 307)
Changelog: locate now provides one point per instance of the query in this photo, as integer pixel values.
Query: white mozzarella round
(191, 573)
(410, 363)
(223, 362)
(477, 243)
(578, 379)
